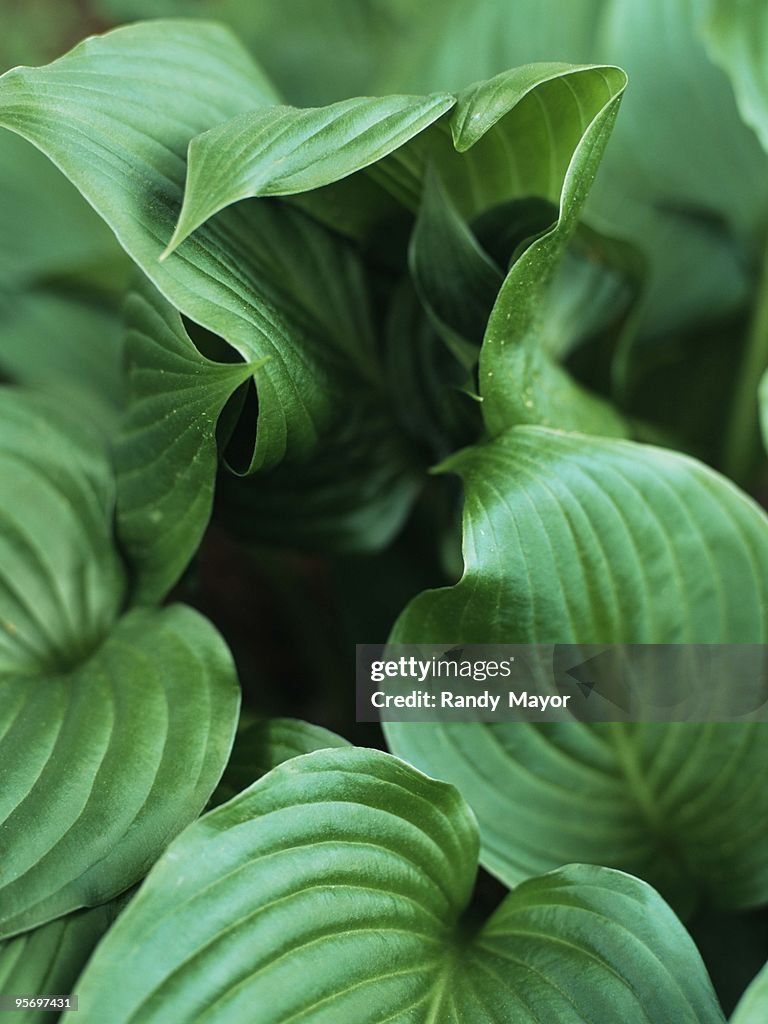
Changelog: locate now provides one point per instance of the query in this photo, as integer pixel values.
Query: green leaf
(665, 185)
(113, 730)
(60, 590)
(166, 455)
(547, 511)
(353, 496)
(285, 293)
(49, 959)
(519, 383)
(266, 744)
(335, 889)
(764, 408)
(60, 268)
(570, 539)
(736, 35)
(279, 151)
(753, 1005)
(456, 279)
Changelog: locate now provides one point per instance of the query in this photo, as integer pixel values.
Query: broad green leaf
(753, 1005)
(280, 289)
(114, 729)
(60, 590)
(279, 151)
(264, 745)
(569, 539)
(546, 511)
(49, 959)
(166, 455)
(105, 764)
(685, 196)
(764, 408)
(335, 889)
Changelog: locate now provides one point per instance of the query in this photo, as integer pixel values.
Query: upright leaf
(737, 38)
(166, 454)
(335, 889)
(753, 1005)
(519, 382)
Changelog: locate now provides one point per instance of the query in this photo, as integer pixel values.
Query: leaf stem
(742, 436)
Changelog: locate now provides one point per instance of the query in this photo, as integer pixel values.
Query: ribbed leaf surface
(569, 539)
(333, 891)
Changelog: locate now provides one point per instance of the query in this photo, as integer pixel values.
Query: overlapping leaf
(753, 1005)
(737, 37)
(335, 890)
(288, 295)
(519, 382)
(279, 151)
(49, 959)
(166, 454)
(113, 730)
(266, 744)
(684, 199)
(569, 539)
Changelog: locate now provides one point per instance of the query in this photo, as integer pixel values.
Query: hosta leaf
(683, 200)
(166, 454)
(104, 765)
(494, 37)
(49, 959)
(280, 150)
(113, 730)
(753, 1005)
(519, 383)
(286, 294)
(569, 539)
(456, 279)
(334, 890)
(264, 745)
(200, 77)
(59, 270)
(737, 38)
(353, 496)
(60, 590)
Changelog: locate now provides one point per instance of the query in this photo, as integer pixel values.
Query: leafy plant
(256, 333)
